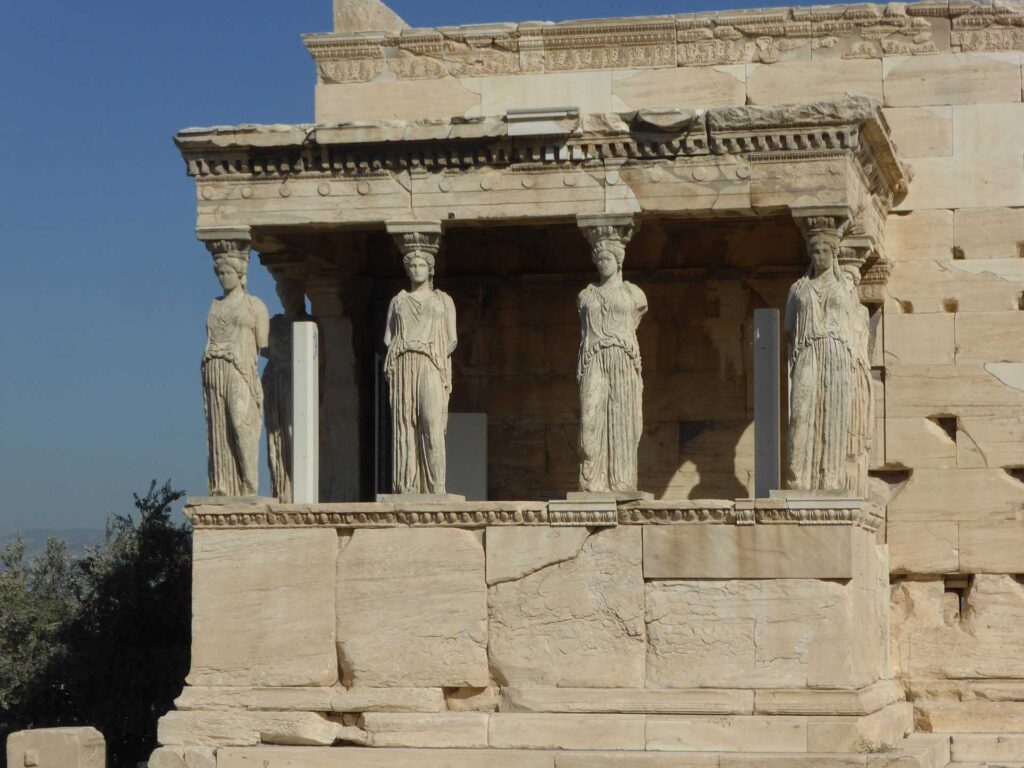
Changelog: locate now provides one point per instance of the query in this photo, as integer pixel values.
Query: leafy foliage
(102, 640)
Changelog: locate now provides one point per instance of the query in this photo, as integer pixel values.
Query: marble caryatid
(277, 385)
(609, 367)
(819, 321)
(237, 331)
(862, 404)
(420, 337)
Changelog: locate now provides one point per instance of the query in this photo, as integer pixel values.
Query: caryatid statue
(277, 384)
(819, 320)
(609, 367)
(862, 407)
(237, 330)
(420, 337)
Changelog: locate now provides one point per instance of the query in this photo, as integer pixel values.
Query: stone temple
(541, 248)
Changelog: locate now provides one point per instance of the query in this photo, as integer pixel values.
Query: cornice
(854, 126)
(857, 31)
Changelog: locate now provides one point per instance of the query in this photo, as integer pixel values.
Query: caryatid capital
(416, 236)
(602, 229)
(235, 242)
(829, 221)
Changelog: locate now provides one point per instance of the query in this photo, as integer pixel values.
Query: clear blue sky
(103, 287)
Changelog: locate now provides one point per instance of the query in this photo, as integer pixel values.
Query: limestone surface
(253, 594)
(412, 609)
(236, 728)
(183, 757)
(57, 748)
(560, 625)
(760, 634)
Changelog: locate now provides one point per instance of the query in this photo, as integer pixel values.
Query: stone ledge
(917, 751)
(478, 514)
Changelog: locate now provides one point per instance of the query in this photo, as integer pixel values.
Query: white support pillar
(767, 403)
(306, 413)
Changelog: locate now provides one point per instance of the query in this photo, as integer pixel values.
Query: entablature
(554, 164)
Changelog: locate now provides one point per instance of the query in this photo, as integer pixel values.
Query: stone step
(971, 716)
(988, 747)
(669, 733)
(916, 751)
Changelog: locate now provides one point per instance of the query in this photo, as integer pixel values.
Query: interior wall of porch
(515, 291)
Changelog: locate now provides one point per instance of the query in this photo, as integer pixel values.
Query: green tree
(119, 657)
(37, 599)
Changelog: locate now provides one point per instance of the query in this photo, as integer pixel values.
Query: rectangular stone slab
(342, 757)
(749, 551)
(412, 609)
(727, 734)
(560, 731)
(698, 701)
(262, 607)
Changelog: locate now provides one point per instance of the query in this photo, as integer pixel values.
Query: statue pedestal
(743, 633)
(420, 498)
(618, 497)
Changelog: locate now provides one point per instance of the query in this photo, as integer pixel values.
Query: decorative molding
(240, 514)
(861, 31)
(851, 127)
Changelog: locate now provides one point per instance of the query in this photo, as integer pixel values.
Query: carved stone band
(242, 514)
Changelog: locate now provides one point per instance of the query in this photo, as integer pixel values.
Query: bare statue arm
(449, 319)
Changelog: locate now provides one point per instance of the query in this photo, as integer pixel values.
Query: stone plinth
(521, 629)
(57, 748)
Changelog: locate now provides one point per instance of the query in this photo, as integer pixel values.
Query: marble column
(289, 272)
(340, 459)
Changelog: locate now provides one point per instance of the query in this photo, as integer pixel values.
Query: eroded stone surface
(412, 609)
(518, 551)
(57, 748)
(561, 625)
(779, 634)
(562, 731)
(464, 730)
(236, 728)
(183, 757)
(253, 594)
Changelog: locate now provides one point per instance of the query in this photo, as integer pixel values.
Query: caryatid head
(822, 235)
(608, 246)
(419, 255)
(230, 262)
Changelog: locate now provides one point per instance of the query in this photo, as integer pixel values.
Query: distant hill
(78, 539)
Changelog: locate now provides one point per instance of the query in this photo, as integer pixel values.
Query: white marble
(420, 336)
(609, 368)
(237, 331)
(821, 364)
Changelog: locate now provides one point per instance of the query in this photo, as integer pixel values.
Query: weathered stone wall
(952, 333)
(498, 625)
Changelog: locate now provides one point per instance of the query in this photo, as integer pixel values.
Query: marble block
(412, 609)
(253, 594)
(57, 748)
